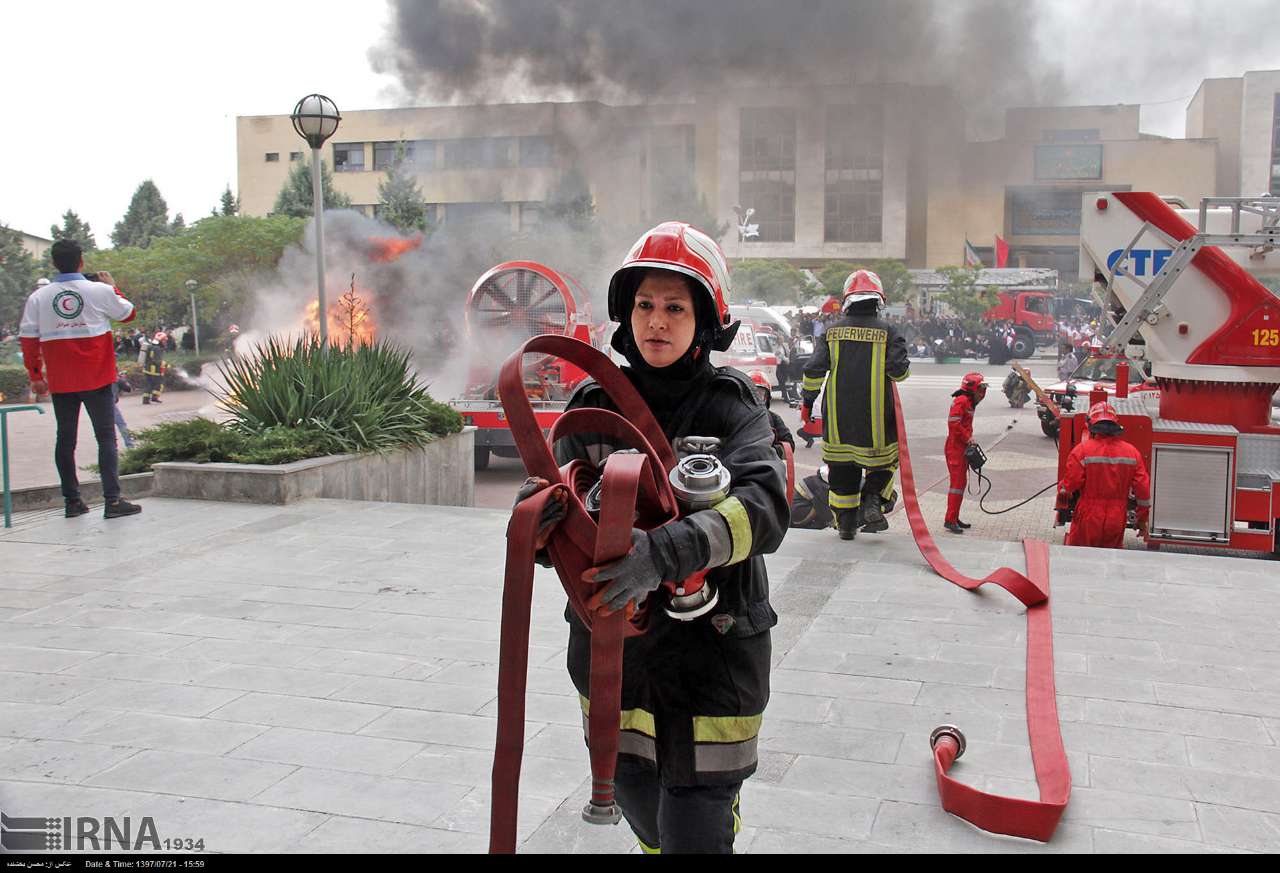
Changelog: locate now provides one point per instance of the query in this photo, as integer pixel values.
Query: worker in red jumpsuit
(1104, 469)
(959, 436)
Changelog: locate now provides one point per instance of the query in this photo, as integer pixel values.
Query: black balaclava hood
(665, 387)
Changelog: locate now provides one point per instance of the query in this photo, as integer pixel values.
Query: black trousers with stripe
(848, 488)
(698, 819)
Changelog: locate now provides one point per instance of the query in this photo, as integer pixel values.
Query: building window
(1068, 162)
(476, 153)
(418, 154)
(348, 157)
(530, 215)
(767, 170)
(536, 151)
(1085, 134)
(295, 156)
(1275, 148)
(854, 209)
(273, 157)
(671, 169)
(461, 213)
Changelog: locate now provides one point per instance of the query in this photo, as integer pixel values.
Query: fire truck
(1194, 288)
(1026, 296)
(509, 304)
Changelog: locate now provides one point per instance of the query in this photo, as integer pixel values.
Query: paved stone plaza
(321, 677)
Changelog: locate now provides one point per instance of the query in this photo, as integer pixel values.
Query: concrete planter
(441, 473)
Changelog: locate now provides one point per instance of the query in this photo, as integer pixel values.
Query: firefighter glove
(552, 513)
(631, 578)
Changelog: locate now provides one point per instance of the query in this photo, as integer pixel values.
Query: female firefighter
(856, 358)
(693, 692)
(1104, 469)
(959, 436)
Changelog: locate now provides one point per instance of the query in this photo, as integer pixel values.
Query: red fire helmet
(160, 337)
(1100, 412)
(972, 382)
(682, 248)
(863, 285)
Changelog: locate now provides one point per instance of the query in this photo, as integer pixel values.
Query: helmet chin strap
(721, 340)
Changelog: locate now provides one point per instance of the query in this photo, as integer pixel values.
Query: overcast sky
(101, 96)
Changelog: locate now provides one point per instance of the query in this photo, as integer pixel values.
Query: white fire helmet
(41, 282)
(862, 285)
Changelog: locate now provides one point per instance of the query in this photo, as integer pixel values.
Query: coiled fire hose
(635, 492)
(1032, 819)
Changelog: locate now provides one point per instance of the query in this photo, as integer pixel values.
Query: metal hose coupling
(948, 730)
(601, 815)
(699, 481)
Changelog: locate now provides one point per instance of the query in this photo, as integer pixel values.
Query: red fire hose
(1032, 819)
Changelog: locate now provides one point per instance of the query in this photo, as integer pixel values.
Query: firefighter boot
(954, 527)
(146, 399)
(847, 523)
(963, 524)
(872, 520)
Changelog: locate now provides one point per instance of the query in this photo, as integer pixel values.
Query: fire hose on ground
(635, 492)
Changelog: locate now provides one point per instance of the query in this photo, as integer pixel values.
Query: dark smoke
(638, 50)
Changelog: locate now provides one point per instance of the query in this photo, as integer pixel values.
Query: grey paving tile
(326, 750)
(207, 776)
(342, 835)
(1109, 842)
(914, 784)
(1229, 757)
(787, 809)
(1258, 792)
(233, 827)
(42, 687)
(1180, 673)
(472, 813)
(439, 728)
(774, 842)
(410, 694)
(556, 741)
(1189, 722)
(1082, 685)
(144, 730)
(829, 741)
(245, 652)
(1220, 699)
(925, 827)
(361, 795)
(562, 708)
(33, 659)
(545, 777)
(58, 761)
(93, 639)
(281, 680)
(282, 710)
(1133, 812)
(155, 697)
(1239, 828)
(145, 668)
(841, 685)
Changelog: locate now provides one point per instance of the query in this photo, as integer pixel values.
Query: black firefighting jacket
(694, 692)
(857, 358)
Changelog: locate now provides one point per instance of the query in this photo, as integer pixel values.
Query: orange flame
(387, 248)
(348, 321)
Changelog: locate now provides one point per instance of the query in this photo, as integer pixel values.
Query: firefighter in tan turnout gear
(857, 358)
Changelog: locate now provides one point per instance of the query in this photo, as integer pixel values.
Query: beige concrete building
(1243, 114)
(37, 245)
(850, 173)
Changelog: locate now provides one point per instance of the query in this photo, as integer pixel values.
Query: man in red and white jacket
(69, 352)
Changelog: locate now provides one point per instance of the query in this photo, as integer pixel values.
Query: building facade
(855, 172)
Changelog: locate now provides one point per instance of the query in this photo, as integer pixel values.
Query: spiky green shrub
(204, 441)
(363, 397)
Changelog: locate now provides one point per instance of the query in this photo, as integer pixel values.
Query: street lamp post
(192, 284)
(315, 118)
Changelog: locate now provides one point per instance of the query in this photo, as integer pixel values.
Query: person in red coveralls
(959, 436)
(68, 352)
(1104, 469)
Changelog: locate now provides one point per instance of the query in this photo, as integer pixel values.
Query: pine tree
(295, 195)
(179, 224)
(17, 276)
(399, 199)
(146, 218)
(74, 228)
(230, 203)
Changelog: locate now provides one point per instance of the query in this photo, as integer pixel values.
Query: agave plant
(363, 396)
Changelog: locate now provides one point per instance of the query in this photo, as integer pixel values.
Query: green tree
(773, 281)
(179, 224)
(295, 195)
(400, 200)
(965, 297)
(74, 228)
(18, 276)
(146, 219)
(230, 204)
(898, 287)
(227, 255)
